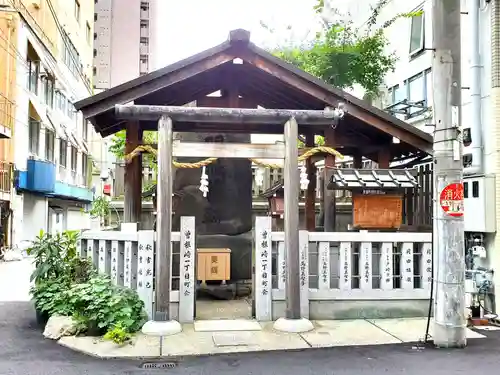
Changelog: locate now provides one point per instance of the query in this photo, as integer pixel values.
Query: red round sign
(451, 199)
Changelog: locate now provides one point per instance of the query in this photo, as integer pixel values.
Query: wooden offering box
(214, 264)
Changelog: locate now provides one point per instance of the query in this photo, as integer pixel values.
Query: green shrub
(98, 302)
(70, 286)
(49, 297)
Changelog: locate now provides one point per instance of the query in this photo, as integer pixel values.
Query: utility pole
(449, 274)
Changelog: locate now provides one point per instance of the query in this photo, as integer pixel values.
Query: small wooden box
(214, 264)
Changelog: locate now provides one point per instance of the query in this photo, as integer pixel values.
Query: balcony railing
(5, 176)
(6, 113)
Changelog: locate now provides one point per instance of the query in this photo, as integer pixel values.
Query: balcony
(5, 180)
(40, 177)
(6, 117)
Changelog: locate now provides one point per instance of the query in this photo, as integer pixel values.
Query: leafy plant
(49, 297)
(49, 254)
(100, 208)
(105, 305)
(118, 334)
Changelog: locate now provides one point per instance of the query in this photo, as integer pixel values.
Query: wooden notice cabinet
(214, 264)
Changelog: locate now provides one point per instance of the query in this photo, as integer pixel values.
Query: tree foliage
(344, 55)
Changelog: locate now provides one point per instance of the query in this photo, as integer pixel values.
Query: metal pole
(291, 189)
(449, 314)
(164, 220)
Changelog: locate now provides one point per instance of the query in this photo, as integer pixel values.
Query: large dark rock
(228, 207)
(224, 217)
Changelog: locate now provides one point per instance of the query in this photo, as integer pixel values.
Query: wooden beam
(163, 80)
(133, 176)
(384, 158)
(224, 115)
(311, 188)
(358, 160)
(228, 150)
(164, 220)
(291, 190)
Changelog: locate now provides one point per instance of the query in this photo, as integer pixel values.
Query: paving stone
(226, 325)
(233, 339)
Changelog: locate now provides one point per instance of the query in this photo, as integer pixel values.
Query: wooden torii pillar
(133, 176)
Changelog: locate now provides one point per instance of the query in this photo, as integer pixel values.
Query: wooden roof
(269, 81)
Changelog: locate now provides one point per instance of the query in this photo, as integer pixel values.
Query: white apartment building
(52, 147)
(408, 94)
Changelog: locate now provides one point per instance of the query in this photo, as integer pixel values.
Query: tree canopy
(344, 55)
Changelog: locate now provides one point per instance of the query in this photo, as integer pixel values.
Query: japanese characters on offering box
(214, 268)
(145, 265)
(265, 263)
(187, 262)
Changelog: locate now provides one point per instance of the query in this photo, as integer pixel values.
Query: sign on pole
(451, 199)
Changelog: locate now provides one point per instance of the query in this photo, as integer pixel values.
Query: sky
(194, 25)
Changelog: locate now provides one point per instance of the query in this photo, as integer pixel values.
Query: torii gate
(168, 149)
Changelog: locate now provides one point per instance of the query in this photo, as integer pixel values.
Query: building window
(33, 72)
(77, 10)
(74, 158)
(417, 34)
(63, 152)
(89, 33)
(412, 98)
(70, 56)
(144, 66)
(85, 130)
(85, 165)
(50, 139)
(34, 136)
(48, 90)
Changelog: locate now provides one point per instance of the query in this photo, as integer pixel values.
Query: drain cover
(158, 365)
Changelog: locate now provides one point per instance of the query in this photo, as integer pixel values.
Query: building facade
(50, 52)
(408, 92)
(123, 40)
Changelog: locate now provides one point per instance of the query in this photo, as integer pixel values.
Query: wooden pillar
(310, 205)
(164, 220)
(133, 176)
(357, 161)
(329, 195)
(384, 158)
(291, 187)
